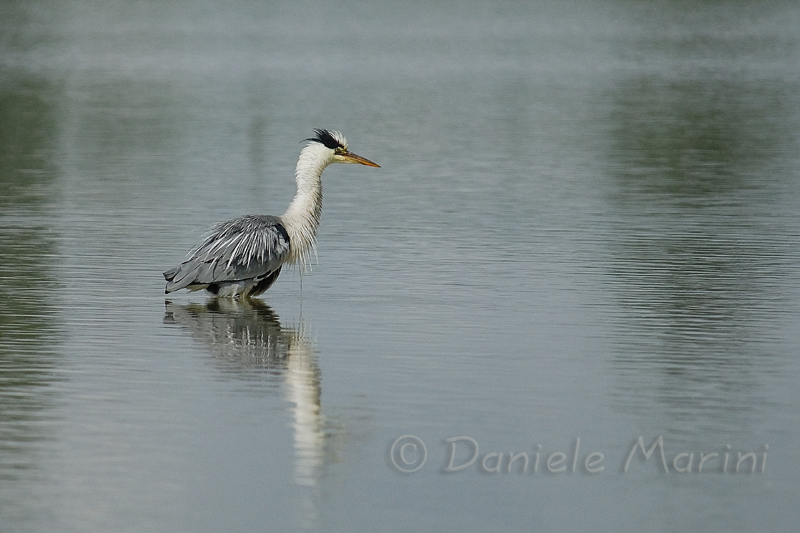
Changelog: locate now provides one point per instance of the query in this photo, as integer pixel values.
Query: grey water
(583, 241)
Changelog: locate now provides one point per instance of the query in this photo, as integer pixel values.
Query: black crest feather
(325, 137)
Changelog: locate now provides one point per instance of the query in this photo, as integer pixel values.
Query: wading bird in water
(242, 257)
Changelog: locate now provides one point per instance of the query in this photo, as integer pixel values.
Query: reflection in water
(696, 142)
(697, 265)
(30, 331)
(247, 337)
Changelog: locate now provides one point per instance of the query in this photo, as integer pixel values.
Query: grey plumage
(243, 252)
(244, 256)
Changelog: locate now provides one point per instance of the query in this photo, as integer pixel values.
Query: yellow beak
(353, 158)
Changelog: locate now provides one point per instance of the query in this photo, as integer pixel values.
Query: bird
(242, 257)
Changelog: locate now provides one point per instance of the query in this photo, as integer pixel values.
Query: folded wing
(249, 247)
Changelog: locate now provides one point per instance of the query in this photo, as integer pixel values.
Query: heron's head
(337, 144)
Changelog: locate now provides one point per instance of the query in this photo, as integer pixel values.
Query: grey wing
(243, 248)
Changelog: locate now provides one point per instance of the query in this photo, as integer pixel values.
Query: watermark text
(409, 454)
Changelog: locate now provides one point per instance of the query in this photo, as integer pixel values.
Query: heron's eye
(339, 150)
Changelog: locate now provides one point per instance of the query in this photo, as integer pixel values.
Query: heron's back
(235, 252)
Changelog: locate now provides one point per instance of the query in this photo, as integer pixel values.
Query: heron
(242, 257)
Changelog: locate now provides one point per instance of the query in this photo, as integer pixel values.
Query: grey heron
(243, 257)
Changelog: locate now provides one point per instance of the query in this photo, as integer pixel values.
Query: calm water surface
(585, 230)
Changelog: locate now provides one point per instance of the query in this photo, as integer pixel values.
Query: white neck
(301, 219)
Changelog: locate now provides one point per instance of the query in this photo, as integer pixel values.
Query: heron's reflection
(248, 336)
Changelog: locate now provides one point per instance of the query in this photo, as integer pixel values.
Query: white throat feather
(301, 219)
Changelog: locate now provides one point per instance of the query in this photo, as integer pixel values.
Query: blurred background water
(585, 226)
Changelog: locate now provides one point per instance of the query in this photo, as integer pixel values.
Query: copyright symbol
(408, 453)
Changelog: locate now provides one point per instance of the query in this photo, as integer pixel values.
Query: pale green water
(586, 225)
